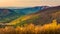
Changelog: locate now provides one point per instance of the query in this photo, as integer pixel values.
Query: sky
(28, 3)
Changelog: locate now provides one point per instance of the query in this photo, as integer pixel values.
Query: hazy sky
(27, 3)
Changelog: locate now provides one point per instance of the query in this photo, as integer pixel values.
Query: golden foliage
(52, 28)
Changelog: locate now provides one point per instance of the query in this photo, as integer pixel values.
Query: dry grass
(52, 28)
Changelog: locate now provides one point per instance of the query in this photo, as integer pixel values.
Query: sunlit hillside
(20, 19)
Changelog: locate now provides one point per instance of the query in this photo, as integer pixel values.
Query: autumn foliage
(52, 28)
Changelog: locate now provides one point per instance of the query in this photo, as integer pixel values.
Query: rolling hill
(42, 17)
(7, 15)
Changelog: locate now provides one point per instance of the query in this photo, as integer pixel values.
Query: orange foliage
(52, 28)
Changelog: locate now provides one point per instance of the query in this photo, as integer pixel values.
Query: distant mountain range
(30, 10)
(7, 15)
